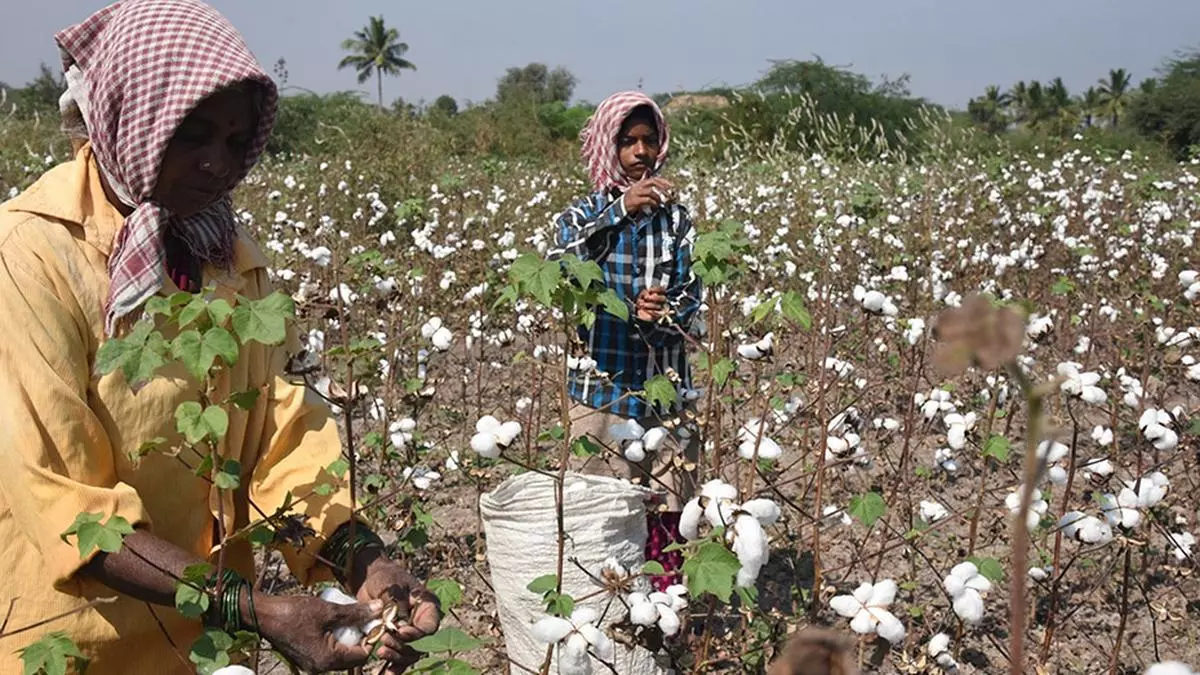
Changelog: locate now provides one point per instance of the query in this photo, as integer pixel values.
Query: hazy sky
(951, 48)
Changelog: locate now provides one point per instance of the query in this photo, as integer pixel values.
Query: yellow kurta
(65, 433)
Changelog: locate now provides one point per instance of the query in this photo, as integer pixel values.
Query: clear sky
(951, 48)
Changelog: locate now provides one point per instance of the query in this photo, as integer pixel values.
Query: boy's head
(638, 143)
(626, 137)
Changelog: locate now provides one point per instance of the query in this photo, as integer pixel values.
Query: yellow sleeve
(56, 460)
(301, 441)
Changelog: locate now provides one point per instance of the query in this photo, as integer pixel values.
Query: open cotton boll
(760, 349)
(750, 547)
(762, 448)
(1121, 509)
(1180, 545)
(442, 338)
(1170, 668)
(689, 519)
(573, 656)
(233, 670)
(678, 595)
(718, 489)
(627, 430)
(599, 642)
(764, 510)
(635, 451)
(668, 620)
(939, 651)
(932, 511)
(485, 444)
(1150, 490)
(551, 629)
(431, 326)
(867, 609)
(642, 612)
(507, 433)
(653, 439)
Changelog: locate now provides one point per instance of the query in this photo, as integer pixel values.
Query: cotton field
(873, 479)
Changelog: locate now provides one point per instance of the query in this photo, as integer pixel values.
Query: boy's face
(637, 145)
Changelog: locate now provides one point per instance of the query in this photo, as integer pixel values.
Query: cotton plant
(575, 637)
(637, 441)
(660, 609)
(743, 523)
(867, 609)
(492, 436)
(1081, 385)
(966, 588)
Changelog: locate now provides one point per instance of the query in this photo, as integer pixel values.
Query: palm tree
(1113, 92)
(376, 49)
(1089, 104)
(1018, 98)
(1035, 104)
(988, 110)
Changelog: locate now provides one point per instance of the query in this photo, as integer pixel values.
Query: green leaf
(447, 639)
(1063, 286)
(546, 583)
(323, 489)
(585, 272)
(560, 604)
(91, 534)
(764, 309)
(338, 468)
(448, 592)
(660, 391)
(990, 568)
(433, 664)
(524, 268)
(230, 475)
(545, 283)
(793, 308)
(219, 310)
(138, 355)
(49, 655)
(613, 304)
(721, 371)
(653, 568)
(585, 447)
(192, 311)
(157, 305)
(211, 651)
(244, 400)
(868, 507)
(191, 600)
(264, 320)
(197, 424)
(997, 447)
(1194, 429)
(261, 536)
(198, 353)
(711, 570)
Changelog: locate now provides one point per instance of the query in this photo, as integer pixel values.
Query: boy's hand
(652, 192)
(651, 304)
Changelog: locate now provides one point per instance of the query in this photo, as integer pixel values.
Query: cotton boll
(1170, 668)
(969, 607)
(763, 448)
(442, 339)
(627, 430)
(573, 656)
(718, 489)
(642, 612)
(487, 425)
(750, 546)
(689, 520)
(635, 451)
(765, 510)
(431, 326)
(668, 620)
(507, 433)
(236, 670)
(932, 511)
(653, 439)
(485, 444)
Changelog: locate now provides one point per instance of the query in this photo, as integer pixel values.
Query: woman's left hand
(386, 580)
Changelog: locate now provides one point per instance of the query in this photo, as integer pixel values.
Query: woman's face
(207, 153)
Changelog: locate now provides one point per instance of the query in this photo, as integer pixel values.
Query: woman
(176, 111)
(642, 240)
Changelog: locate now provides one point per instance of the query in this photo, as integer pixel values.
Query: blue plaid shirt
(635, 252)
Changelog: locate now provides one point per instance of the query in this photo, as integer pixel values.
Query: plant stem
(1020, 550)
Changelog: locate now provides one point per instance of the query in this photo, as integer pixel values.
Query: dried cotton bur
(370, 633)
(816, 651)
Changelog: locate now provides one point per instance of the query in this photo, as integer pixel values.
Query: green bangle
(341, 546)
(225, 610)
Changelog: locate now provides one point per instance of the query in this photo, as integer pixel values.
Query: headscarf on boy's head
(600, 138)
(138, 68)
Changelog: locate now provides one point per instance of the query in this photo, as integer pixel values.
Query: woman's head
(177, 111)
(624, 138)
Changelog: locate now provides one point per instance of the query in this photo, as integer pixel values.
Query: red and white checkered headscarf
(146, 64)
(600, 139)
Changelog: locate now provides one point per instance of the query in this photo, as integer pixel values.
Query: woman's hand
(301, 628)
(385, 580)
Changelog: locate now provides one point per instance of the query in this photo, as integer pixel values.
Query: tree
(1018, 101)
(1113, 91)
(537, 83)
(1169, 111)
(987, 111)
(446, 105)
(1090, 104)
(376, 50)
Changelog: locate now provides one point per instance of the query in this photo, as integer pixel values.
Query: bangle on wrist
(341, 546)
(225, 609)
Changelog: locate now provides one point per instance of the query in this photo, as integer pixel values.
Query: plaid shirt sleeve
(683, 294)
(579, 229)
